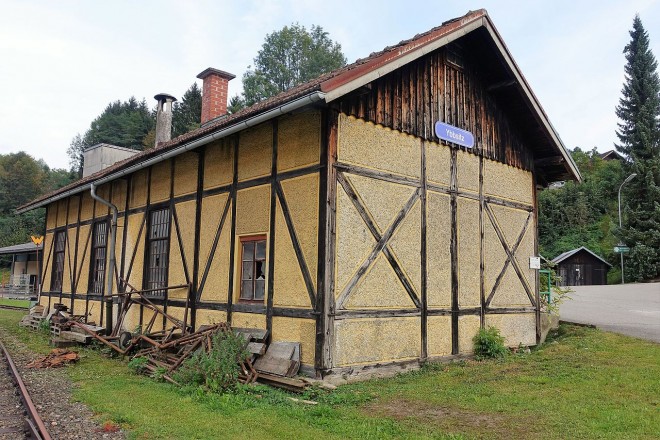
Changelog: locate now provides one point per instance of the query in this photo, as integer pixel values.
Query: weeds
(489, 343)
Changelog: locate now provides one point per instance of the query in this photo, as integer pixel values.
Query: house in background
(611, 155)
(24, 269)
(581, 267)
(333, 214)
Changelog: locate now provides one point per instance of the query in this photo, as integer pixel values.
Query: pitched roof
(20, 248)
(561, 257)
(329, 87)
(611, 155)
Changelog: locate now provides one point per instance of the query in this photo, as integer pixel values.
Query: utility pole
(628, 179)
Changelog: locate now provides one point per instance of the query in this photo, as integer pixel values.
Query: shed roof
(20, 248)
(561, 257)
(553, 160)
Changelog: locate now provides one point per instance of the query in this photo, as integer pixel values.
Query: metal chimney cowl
(164, 118)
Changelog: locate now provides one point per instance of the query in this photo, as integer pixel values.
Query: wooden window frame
(252, 239)
(147, 282)
(57, 273)
(93, 285)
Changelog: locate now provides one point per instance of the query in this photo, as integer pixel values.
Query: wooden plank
(319, 306)
(232, 239)
(271, 227)
(258, 334)
(272, 365)
(257, 348)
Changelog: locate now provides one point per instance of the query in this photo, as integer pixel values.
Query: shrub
(489, 343)
(218, 369)
(138, 364)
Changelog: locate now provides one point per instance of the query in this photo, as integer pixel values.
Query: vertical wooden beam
(147, 227)
(423, 256)
(192, 293)
(482, 248)
(271, 228)
(122, 270)
(453, 250)
(68, 248)
(169, 238)
(232, 250)
(74, 284)
(319, 309)
(537, 295)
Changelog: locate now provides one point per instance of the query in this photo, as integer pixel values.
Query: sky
(62, 62)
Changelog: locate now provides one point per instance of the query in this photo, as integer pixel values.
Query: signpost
(453, 134)
(621, 249)
(37, 241)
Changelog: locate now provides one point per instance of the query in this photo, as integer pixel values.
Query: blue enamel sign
(453, 134)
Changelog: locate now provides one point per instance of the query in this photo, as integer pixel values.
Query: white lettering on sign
(454, 135)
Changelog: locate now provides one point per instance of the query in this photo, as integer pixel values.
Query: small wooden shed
(581, 267)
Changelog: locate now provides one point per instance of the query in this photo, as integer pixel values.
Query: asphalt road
(630, 309)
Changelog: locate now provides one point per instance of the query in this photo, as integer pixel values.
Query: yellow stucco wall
(468, 326)
(219, 164)
(438, 331)
(119, 191)
(210, 317)
(369, 340)
(132, 243)
(84, 258)
(248, 320)
(102, 191)
(508, 182)
(61, 212)
(516, 328)
(438, 163)
(253, 210)
(467, 171)
(439, 257)
(299, 141)
(48, 263)
(86, 207)
(51, 215)
(217, 280)
(139, 188)
(255, 152)
(296, 330)
(469, 251)
(185, 174)
(74, 206)
(176, 274)
(365, 144)
(160, 181)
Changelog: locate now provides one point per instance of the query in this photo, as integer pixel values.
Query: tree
(287, 58)
(187, 113)
(124, 124)
(639, 140)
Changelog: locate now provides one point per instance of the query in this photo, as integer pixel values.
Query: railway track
(18, 415)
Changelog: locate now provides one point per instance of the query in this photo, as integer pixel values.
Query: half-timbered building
(332, 214)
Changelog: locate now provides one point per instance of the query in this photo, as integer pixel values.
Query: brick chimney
(164, 117)
(214, 93)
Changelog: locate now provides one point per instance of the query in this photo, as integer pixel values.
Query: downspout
(109, 274)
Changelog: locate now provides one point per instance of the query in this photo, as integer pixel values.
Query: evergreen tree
(187, 113)
(639, 140)
(287, 58)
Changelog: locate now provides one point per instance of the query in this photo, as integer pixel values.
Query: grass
(583, 384)
(14, 302)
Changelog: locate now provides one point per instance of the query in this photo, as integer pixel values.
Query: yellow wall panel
(210, 317)
(48, 262)
(383, 200)
(219, 164)
(217, 280)
(84, 258)
(102, 191)
(160, 181)
(369, 340)
(255, 152)
(297, 330)
(439, 258)
(248, 320)
(94, 312)
(438, 331)
(468, 326)
(289, 288)
(354, 242)
(253, 210)
(69, 254)
(467, 171)
(87, 206)
(299, 140)
(61, 212)
(51, 215)
(516, 329)
(302, 198)
(379, 288)
(468, 253)
(119, 192)
(185, 174)
(74, 205)
(438, 163)
(373, 146)
(139, 188)
(212, 209)
(504, 181)
(406, 245)
(135, 246)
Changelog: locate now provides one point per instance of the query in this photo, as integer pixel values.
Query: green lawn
(583, 384)
(14, 302)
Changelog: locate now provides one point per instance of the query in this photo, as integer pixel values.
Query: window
(253, 268)
(58, 262)
(99, 246)
(158, 244)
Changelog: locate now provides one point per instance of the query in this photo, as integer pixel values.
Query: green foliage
(44, 326)
(559, 294)
(218, 369)
(489, 344)
(288, 57)
(187, 113)
(138, 364)
(639, 136)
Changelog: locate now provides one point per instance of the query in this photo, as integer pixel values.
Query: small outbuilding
(24, 269)
(581, 267)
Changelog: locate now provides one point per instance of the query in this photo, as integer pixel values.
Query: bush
(489, 343)
(218, 369)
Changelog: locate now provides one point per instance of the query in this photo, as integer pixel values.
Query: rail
(33, 420)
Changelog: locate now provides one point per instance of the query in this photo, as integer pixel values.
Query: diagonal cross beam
(381, 244)
(214, 246)
(510, 252)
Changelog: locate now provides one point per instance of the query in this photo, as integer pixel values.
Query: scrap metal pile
(166, 350)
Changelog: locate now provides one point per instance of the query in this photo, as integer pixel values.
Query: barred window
(158, 244)
(253, 268)
(58, 262)
(99, 248)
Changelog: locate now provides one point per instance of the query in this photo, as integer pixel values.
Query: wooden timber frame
(407, 101)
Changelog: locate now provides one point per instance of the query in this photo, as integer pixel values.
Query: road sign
(621, 249)
(453, 134)
(37, 240)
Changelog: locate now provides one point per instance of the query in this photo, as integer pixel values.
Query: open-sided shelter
(332, 214)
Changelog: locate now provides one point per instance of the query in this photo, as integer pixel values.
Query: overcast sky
(62, 62)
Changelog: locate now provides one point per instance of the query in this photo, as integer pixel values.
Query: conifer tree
(639, 140)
